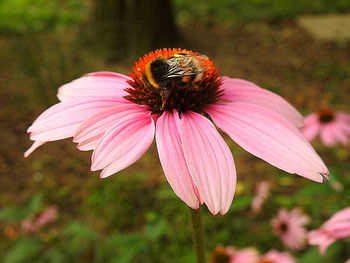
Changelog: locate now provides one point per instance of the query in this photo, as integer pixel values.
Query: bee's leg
(164, 93)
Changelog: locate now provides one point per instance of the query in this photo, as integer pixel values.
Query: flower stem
(198, 236)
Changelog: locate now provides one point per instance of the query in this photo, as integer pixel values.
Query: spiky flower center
(325, 115)
(169, 79)
(283, 228)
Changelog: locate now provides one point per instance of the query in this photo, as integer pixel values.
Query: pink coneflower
(262, 193)
(274, 256)
(289, 226)
(337, 227)
(174, 95)
(332, 126)
(33, 224)
(232, 255)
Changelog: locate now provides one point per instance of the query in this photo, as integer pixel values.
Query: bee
(181, 71)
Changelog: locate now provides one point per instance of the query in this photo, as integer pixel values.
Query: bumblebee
(181, 71)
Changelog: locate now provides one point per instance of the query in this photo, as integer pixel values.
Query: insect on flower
(176, 95)
(180, 71)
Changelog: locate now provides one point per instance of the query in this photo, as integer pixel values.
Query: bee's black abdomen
(159, 69)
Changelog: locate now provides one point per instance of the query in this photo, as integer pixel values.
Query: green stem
(198, 235)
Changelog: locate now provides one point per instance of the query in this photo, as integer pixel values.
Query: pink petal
(239, 90)
(327, 136)
(310, 132)
(311, 119)
(340, 134)
(32, 148)
(277, 257)
(269, 137)
(62, 119)
(311, 127)
(345, 127)
(91, 131)
(209, 161)
(173, 160)
(340, 216)
(123, 144)
(339, 230)
(342, 117)
(321, 239)
(247, 255)
(97, 84)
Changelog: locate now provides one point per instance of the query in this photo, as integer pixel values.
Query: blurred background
(298, 49)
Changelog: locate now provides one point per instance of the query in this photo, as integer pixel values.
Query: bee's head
(156, 70)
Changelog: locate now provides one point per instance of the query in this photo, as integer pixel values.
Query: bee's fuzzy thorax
(183, 93)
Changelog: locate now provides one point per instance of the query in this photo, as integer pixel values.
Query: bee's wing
(180, 67)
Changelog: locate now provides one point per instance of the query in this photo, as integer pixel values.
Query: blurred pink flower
(118, 116)
(232, 255)
(332, 126)
(274, 256)
(32, 225)
(337, 227)
(348, 261)
(289, 226)
(262, 192)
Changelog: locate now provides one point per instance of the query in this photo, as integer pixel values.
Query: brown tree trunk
(133, 27)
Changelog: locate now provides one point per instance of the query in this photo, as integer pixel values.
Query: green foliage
(13, 213)
(19, 16)
(313, 255)
(228, 11)
(24, 250)
(241, 203)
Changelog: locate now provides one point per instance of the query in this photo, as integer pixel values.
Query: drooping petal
(262, 193)
(275, 256)
(340, 216)
(269, 137)
(340, 134)
(123, 144)
(321, 239)
(91, 131)
(97, 84)
(327, 136)
(337, 227)
(311, 127)
(311, 119)
(173, 161)
(345, 127)
(209, 161)
(339, 230)
(310, 132)
(247, 255)
(62, 119)
(32, 148)
(342, 117)
(239, 90)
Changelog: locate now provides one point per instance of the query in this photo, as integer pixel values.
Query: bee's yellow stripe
(149, 76)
